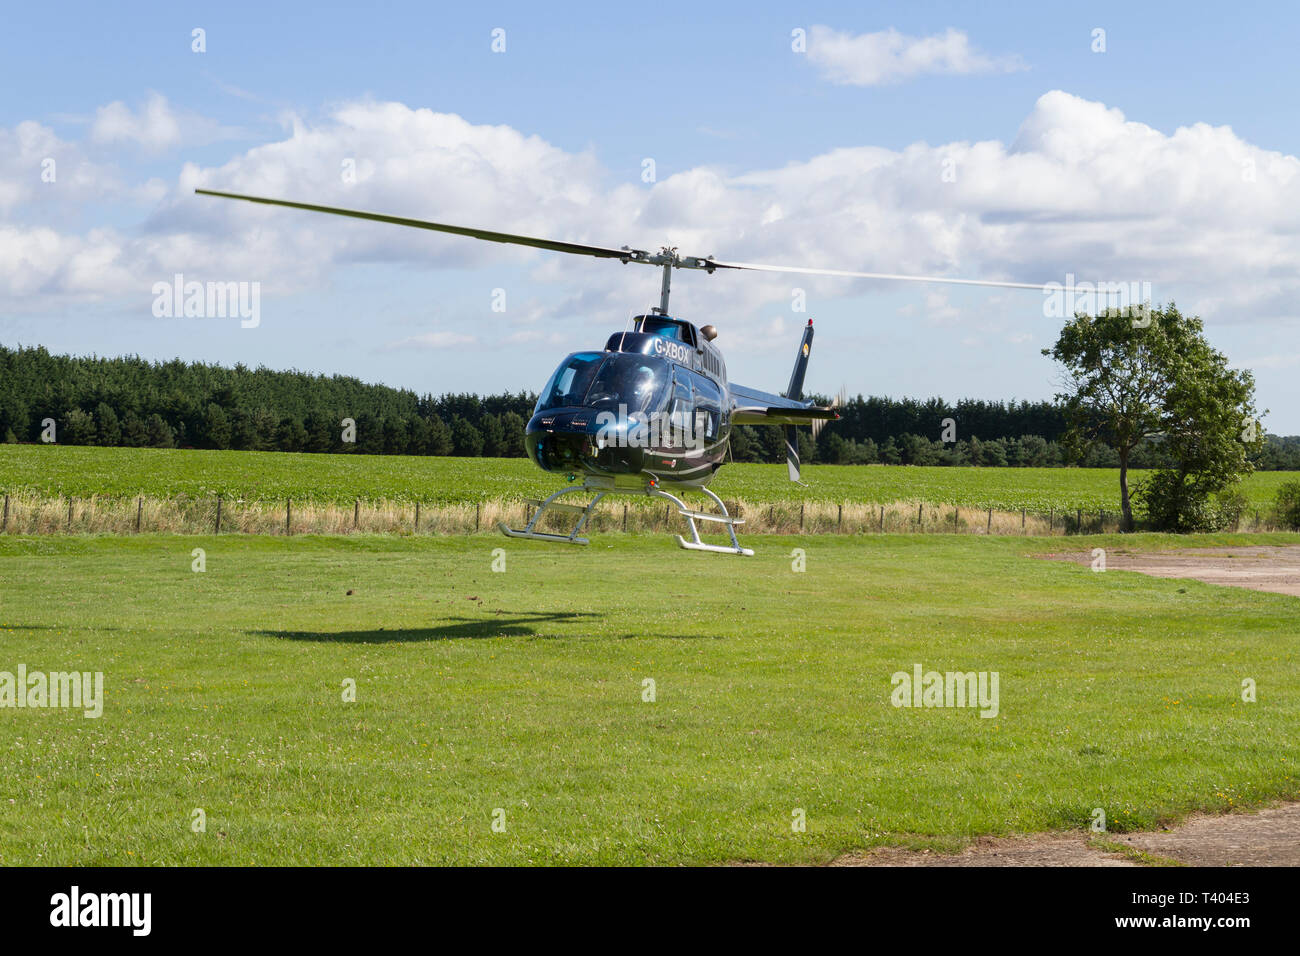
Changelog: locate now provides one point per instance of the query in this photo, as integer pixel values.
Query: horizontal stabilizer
(781, 415)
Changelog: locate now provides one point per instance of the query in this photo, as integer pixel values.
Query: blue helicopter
(652, 412)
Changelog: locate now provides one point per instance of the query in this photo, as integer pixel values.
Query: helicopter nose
(559, 452)
(572, 441)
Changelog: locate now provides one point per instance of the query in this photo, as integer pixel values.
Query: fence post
(839, 518)
(1022, 520)
(288, 514)
(954, 519)
(989, 528)
(801, 516)
(1078, 521)
(356, 514)
(417, 517)
(5, 526)
(919, 508)
(139, 511)
(478, 506)
(625, 517)
(69, 514)
(882, 519)
(217, 528)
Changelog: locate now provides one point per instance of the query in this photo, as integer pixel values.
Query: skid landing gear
(695, 544)
(600, 490)
(552, 504)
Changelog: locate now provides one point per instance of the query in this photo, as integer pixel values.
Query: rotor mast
(668, 259)
(665, 287)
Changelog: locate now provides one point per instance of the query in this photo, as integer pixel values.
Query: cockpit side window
(708, 405)
(680, 413)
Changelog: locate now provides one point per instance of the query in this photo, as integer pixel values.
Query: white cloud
(871, 59)
(37, 167)
(155, 126)
(1201, 213)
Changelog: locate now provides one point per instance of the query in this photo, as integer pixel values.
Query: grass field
(55, 471)
(522, 692)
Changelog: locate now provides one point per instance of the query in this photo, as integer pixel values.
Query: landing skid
(600, 490)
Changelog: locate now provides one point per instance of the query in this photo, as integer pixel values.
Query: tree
(78, 428)
(744, 443)
(291, 435)
(771, 444)
(133, 431)
(321, 432)
(397, 436)
(370, 434)
(467, 441)
(438, 440)
(514, 426)
(13, 419)
(1286, 507)
(1133, 378)
(158, 434)
(918, 450)
(108, 428)
(494, 436)
(1117, 374)
(1210, 432)
(216, 427)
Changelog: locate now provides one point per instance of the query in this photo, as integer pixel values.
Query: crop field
(83, 472)
(622, 703)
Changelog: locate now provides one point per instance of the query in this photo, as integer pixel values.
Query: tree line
(130, 401)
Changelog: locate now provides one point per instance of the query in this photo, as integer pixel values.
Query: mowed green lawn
(519, 696)
(273, 476)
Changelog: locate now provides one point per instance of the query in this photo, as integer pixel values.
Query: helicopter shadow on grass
(453, 629)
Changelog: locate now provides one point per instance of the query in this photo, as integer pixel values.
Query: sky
(1151, 143)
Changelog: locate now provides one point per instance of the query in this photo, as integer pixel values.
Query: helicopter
(652, 412)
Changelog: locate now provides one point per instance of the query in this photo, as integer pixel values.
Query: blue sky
(824, 158)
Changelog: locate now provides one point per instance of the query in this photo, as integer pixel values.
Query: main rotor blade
(600, 252)
(759, 267)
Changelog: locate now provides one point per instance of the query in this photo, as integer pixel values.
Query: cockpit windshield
(569, 384)
(640, 382)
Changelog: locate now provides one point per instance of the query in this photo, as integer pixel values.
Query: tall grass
(97, 514)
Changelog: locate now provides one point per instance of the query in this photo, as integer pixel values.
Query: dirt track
(1261, 568)
(1270, 837)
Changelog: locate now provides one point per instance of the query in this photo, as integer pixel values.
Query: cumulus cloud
(887, 56)
(37, 167)
(155, 126)
(1202, 214)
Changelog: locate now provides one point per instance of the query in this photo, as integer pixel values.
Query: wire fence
(33, 514)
